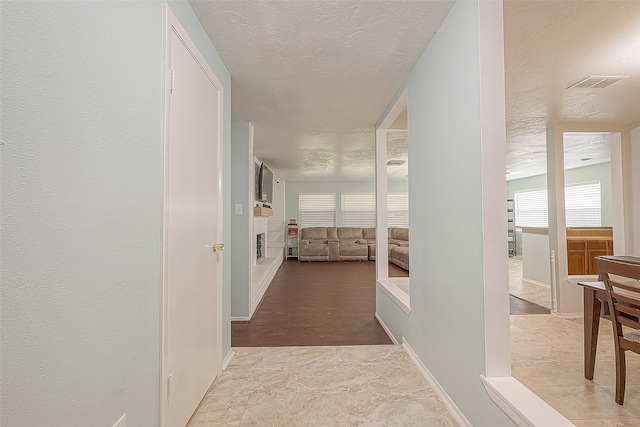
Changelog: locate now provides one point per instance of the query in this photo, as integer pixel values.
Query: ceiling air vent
(395, 162)
(597, 82)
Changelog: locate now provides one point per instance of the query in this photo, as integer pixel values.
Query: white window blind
(317, 210)
(358, 210)
(582, 206)
(531, 208)
(398, 210)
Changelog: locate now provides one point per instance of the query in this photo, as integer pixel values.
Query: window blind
(531, 208)
(317, 210)
(358, 209)
(398, 210)
(583, 206)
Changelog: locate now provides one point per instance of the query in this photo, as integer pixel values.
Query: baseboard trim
(435, 385)
(521, 404)
(227, 359)
(395, 341)
(567, 315)
(535, 282)
(240, 319)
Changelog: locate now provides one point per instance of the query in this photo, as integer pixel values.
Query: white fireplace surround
(260, 226)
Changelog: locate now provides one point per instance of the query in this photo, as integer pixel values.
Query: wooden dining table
(595, 293)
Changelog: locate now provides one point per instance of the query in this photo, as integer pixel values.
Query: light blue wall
(82, 156)
(600, 172)
(446, 324)
(294, 188)
(241, 225)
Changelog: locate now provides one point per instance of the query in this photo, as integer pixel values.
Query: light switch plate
(239, 209)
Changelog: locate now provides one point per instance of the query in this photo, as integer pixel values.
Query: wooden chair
(621, 276)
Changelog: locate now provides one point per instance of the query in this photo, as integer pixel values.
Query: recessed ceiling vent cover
(395, 162)
(597, 82)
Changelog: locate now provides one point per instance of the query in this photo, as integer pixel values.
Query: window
(582, 206)
(398, 210)
(358, 210)
(317, 210)
(531, 208)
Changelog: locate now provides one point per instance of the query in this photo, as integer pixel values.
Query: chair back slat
(630, 345)
(625, 293)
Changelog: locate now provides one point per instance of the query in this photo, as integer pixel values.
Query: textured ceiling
(549, 45)
(315, 76)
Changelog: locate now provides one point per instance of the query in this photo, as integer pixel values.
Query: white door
(192, 270)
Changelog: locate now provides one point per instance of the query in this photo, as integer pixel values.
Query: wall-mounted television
(264, 188)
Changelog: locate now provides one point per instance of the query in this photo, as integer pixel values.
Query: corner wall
(82, 157)
(453, 249)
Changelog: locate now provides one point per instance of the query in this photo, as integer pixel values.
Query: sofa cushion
(401, 233)
(350, 233)
(317, 250)
(314, 233)
(369, 234)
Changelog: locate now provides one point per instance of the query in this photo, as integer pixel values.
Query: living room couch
(352, 244)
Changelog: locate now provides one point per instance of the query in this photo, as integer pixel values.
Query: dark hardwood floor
(521, 306)
(325, 303)
(316, 303)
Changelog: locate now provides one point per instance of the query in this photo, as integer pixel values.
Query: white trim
(535, 282)
(567, 315)
(227, 359)
(240, 318)
(435, 385)
(395, 341)
(397, 295)
(122, 422)
(270, 273)
(521, 404)
(395, 111)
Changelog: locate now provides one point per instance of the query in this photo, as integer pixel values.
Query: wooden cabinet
(584, 245)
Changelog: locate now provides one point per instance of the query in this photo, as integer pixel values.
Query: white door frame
(172, 24)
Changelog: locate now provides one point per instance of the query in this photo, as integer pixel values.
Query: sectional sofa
(352, 244)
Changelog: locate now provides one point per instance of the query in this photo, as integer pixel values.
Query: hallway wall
(449, 158)
(82, 158)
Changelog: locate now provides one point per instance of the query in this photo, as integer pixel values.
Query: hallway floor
(321, 386)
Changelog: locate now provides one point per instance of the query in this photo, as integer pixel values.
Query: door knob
(217, 247)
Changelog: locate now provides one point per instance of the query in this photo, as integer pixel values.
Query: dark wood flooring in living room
(316, 303)
(325, 303)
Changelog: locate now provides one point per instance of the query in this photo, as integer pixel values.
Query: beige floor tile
(343, 377)
(631, 422)
(537, 294)
(296, 358)
(244, 382)
(386, 410)
(217, 410)
(298, 410)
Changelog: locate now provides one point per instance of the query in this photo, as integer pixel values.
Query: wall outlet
(122, 422)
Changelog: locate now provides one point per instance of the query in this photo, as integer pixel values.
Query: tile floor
(321, 386)
(538, 294)
(547, 357)
(380, 386)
